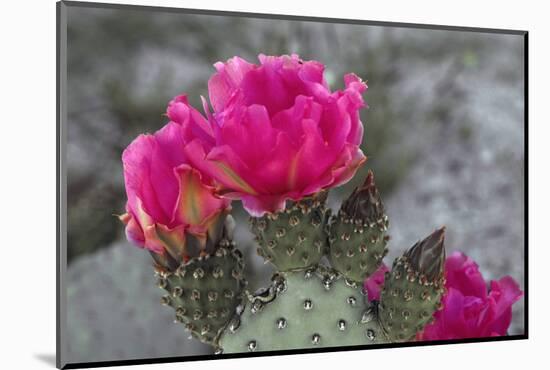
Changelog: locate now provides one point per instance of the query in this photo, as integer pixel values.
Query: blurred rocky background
(444, 135)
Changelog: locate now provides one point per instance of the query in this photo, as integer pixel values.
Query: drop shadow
(47, 358)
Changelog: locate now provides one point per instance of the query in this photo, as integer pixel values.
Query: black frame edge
(526, 183)
(161, 360)
(57, 187)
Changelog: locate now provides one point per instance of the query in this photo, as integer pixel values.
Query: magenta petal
(258, 205)
(138, 176)
(505, 292)
(134, 233)
(223, 84)
(220, 91)
(263, 86)
(313, 158)
(463, 273)
(142, 227)
(335, 124)
(345, 168)
(257, 124)
(161, 187)
(290, 120)
(152, 241)
(355, 87)
(373, 285)
(299, 77)
(223, 164)
(197, 204)
(355, 135)
(170, 143)
(193, 124)
(177, 109)
(450, 322)
(341, 171)
(285, 121)
(133, 165)
(196, 157)
(276, 174)
(249, 134)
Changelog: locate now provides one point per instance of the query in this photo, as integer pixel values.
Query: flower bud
(364, 203)
(428, 256)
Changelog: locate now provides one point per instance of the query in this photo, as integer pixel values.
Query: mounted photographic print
(235, 184)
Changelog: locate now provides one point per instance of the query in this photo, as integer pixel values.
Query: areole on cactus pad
(278, 140)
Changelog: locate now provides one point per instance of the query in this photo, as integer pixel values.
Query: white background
(27, 185)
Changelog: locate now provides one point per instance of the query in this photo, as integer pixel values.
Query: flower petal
(196, 204)
(258, 205)
(172, 239)
(463, 273)
(505, 292)
(223, 84)
(133, 231)
(374, 283)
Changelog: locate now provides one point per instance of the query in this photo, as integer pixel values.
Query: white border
(28, 180)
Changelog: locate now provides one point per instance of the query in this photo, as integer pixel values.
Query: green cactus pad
(358, 234)
(295, 238)
(413, 290)
(357, 247)
(303, 309)
(205, 291)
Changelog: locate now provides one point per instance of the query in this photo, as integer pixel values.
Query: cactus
(413, 291)
(312, 308)
(357, 234)
(286, 238)
(205, 289)
(311, 302)
(278, 141)
(320, 307)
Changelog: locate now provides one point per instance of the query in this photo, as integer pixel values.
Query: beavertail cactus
(279, 140)
(205, 290)
(296, 237)
(320, 307)
(358, 233)
(412, 293)
(311, 308)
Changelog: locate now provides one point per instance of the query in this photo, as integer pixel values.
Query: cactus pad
(357, 233)
(413, 290)
(356, 247)
(205, 291)
(295, 238)
(303, 309)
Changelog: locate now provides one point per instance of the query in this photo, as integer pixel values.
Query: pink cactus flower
(167, 197)
(280, 133)
(469, 311)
